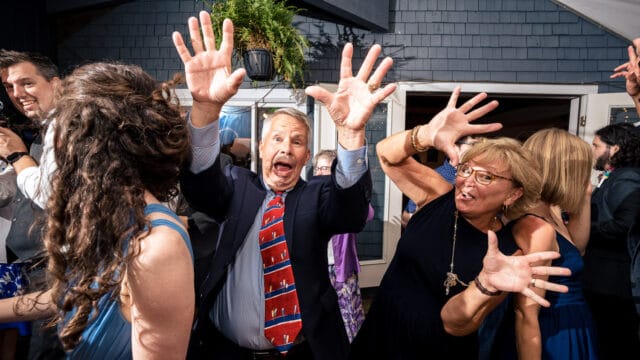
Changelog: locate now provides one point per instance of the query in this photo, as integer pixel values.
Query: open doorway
(520, 115)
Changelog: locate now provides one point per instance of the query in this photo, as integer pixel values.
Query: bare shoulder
(534, 234)
(529, 222)
(162, 268)
(163, 263)
(163, 243)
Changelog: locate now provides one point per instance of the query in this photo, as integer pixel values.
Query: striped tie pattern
(282, 309)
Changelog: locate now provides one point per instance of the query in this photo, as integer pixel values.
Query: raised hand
(515, 274)
(357, 96)
(630, 70)
(453, 122)
(208, 71)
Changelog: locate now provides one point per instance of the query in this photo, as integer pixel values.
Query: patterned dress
(343, 273)
(13, 282)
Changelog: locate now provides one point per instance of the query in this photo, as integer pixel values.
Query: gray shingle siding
(533, 41)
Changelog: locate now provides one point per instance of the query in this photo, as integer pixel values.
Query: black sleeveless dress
(404, 319)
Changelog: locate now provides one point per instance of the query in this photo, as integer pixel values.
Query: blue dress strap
(159, 208)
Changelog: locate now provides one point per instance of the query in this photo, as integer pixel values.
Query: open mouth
(28, 105)
(466, 195)
(282, 168)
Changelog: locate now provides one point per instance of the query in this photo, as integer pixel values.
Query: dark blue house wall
(507, 41)
(512, 41)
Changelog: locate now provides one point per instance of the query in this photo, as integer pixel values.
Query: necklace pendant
(450, 281)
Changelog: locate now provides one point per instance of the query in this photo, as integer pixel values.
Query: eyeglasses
(482, 177)
(322, 168)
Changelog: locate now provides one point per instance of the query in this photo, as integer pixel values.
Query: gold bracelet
(484, 290)
(414, 141)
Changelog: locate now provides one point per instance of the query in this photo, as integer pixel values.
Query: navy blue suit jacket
(314, 211)
(614, 207)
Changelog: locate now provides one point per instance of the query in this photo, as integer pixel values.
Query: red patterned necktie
(281, 307)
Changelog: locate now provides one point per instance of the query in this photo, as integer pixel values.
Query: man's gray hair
(294, 113)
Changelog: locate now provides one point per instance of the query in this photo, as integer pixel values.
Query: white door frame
(373, 270)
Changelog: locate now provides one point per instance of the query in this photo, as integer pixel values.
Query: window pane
(235, 134)
(370, 239)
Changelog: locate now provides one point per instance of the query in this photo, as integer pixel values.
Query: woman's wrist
(483, 287)
(415, 142)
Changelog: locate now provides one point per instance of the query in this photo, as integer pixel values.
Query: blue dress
(567, 327)
(109, 335)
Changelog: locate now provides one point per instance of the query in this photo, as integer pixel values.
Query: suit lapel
(249, 200)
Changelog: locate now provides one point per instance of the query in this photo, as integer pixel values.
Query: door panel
(605, 109)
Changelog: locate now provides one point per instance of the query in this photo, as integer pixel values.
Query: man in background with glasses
(344, 265)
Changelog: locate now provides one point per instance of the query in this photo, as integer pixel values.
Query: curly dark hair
(626, 136)
(117, 133)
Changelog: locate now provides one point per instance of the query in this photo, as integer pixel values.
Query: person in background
(267, 292)
(631, 72)
(634, 254)
(11, 111)
(440, 282)
(344, 265)
(447, 170)
(13, 278)
(30, 80)
(407, 213)
(565, 330)
(115, 254)
(615, 203)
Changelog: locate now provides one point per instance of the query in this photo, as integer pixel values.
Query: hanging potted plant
(264, 37)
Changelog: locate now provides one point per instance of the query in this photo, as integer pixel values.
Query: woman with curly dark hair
(116, 255)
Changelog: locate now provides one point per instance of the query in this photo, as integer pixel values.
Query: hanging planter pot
(259, 64)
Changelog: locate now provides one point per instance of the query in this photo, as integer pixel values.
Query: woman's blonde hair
(519, 161)
(565, 163)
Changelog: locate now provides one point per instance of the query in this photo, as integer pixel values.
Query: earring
(505, 209)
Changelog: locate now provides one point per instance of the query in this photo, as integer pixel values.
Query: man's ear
(55, 82)
(614, 149)
(308, 156)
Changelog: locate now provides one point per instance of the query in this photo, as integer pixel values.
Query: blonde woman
(565, 330)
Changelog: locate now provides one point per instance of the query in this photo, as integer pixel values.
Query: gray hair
(294, 113)
(327, 154)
